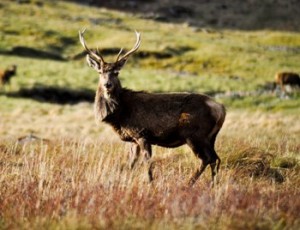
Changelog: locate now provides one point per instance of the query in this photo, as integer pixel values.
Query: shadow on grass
(168, 52)
(29, 52)
(53, 94)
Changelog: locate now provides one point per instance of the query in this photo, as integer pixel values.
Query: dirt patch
(228, 14)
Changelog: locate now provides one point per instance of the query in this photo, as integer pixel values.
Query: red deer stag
(163, 119)
(287, 78)
(7, 74)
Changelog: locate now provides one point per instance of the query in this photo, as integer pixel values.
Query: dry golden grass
(79, 177)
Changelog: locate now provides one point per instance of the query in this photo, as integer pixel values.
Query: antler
(135, 47)
(90, 52)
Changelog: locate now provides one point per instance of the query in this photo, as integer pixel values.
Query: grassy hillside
(173, 57)
(77, 177)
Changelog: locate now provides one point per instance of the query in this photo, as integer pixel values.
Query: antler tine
(119, 54)
(82, 41)
(135, 47)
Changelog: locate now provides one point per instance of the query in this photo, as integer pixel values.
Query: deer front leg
(134, 154)
(147, 152)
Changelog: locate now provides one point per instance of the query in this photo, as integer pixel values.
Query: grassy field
(77, 176)
(83, 181)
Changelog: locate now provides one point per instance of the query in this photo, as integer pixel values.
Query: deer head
(108, 72)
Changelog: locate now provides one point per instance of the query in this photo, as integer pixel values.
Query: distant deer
(7, 74)
(163, 119)
(287, 78)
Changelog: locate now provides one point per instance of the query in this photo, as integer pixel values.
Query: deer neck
(106, 104)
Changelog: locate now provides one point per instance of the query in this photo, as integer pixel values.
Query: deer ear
(92, 63)
(119, 65)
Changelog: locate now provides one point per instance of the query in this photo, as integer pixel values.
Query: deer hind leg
(215, 165)
(283, 88)
(208, 156)
(147, 152)
(198, 173)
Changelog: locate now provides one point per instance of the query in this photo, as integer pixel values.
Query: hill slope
(173, 57)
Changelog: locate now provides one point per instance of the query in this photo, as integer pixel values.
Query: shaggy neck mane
(106, 105)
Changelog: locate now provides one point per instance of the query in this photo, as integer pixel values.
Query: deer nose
(108, 85)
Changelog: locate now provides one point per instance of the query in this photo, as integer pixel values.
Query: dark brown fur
(287, 78)
(165, 119)
(7, 74)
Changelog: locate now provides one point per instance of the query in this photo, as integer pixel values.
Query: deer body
(287, 78)
(7, 74)
(166, 120)
(163, 119)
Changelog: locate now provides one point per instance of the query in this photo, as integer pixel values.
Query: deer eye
(114, 74)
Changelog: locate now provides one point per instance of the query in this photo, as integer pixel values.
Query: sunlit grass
(209, 64)
(65, 183)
